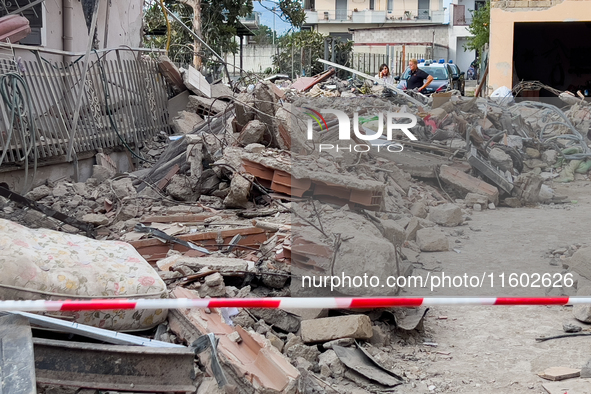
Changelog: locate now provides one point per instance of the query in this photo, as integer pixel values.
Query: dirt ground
(492, 349)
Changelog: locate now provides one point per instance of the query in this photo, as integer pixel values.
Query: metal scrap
(114, 367)
(162, 235)
(359, 361)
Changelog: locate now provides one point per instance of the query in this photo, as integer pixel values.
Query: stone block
(448, 215)
(432, 240)
(329, 328)
(466, 183)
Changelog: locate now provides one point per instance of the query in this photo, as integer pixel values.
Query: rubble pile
(240, 204)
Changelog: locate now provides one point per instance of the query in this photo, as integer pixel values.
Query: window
(372, 4)
(390, 6)
(34, 14)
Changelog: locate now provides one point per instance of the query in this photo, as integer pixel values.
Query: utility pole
(273, 9)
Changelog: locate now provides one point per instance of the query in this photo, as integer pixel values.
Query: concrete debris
(239, 192)
(258, 198)
(330, 365)
(196, 82)
(560, 373)
(500, 159)
(568, 327)
(550, 156)
(419, 209)
(528, 187)
(466, 183)
(448, 215)
(329, 328)
(473, 198)
(185, 122)
(278, 319)
(171, 73)
(206, 106)
(344, 342)
(432, 240)
(252, 133)
(181, 188)
(308, 353)
(583, 312)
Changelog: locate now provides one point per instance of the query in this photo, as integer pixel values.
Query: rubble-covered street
(251, 195)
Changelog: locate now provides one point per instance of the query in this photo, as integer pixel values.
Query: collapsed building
(238, 201)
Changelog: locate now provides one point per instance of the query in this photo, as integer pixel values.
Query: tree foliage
(219, 19)
(479, 28)
(293, 12)
(264, 35)
(181, 44)
(303, 49)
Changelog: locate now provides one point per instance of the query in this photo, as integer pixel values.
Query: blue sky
(267, 17)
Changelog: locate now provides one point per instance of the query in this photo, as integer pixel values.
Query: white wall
(255, 58)
(124, 26)
(458, 35)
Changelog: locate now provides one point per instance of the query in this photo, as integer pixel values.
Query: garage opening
(557, 54)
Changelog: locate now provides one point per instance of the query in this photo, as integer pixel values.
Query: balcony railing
(372, 16)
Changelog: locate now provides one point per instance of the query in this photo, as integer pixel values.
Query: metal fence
(369, 63)
(123, 101)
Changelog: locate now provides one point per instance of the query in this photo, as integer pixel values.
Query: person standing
(417, 77)
(384, 74)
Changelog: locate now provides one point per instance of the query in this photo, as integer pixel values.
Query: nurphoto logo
(345, 130)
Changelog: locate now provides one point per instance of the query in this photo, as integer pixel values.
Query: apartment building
(336, 17)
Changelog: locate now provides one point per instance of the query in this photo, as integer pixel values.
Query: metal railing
(124, 102)
(369, 63)
(372, 16)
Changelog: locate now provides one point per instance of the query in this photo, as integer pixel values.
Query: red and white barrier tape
(275, 303)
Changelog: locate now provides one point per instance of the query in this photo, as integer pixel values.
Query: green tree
(300, 51)
(292, 12)
(264, 35)
(181, 44)
(479, 28)
(218, 20)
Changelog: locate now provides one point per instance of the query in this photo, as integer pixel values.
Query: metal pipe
(82, 84)
(70, 53)
(68, 34)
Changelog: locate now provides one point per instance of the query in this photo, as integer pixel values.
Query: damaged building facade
(48, 59)
(539, 41)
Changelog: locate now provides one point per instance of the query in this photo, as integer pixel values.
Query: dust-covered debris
(242, 180)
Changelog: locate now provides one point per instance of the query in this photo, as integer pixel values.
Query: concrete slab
(417, 164)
